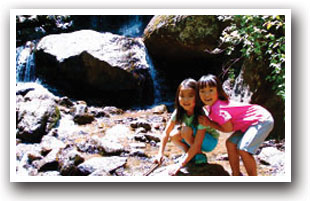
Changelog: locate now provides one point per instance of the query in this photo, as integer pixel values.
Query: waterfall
(25, 65)
(134, 28)
(155, 79)
(161, 94)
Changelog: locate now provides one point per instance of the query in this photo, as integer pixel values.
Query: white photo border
(283, 178)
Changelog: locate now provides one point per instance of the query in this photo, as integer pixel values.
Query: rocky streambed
(56, 136)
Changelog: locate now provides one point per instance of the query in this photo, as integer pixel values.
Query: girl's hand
(158, 159)
(203, 120)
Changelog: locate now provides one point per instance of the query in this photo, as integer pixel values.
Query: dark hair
(212, 81)
(191, 83)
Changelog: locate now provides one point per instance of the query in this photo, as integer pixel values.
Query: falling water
(155, 79)
(25, 65)
(134, 28)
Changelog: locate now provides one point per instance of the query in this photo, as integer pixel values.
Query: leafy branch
(262, 38)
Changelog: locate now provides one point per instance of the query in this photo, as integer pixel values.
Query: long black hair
(191, 83)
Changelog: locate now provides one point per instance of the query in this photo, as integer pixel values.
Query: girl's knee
(186, 131)
(244, 153)
(175, 135)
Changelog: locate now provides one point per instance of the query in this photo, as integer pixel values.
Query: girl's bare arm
(164, 140)
(226, 127)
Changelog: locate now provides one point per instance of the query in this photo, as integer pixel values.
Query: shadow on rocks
(203, 170)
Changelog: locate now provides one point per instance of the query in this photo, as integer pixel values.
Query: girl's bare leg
(176, 138)
(187, 135)
(233, 156)
(249, 163)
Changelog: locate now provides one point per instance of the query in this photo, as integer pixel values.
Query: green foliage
(262, 38)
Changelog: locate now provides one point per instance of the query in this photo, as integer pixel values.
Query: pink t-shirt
(241, 115)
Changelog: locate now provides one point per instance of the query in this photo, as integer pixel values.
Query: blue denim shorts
(253, 137)
(209, 142)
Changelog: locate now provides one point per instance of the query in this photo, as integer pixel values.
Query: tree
(261, 37)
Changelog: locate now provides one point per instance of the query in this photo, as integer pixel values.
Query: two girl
(184, 130)
(249, 123)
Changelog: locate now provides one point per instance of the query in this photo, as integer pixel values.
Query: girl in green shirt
(184, 130)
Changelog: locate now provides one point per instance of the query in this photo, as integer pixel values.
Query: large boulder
(189, 32)
(183, 46)
(36, 112)
(90, 64)
(180, 38)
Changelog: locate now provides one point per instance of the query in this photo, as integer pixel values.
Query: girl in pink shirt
(250, 123)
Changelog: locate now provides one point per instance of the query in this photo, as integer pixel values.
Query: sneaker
(200, 159)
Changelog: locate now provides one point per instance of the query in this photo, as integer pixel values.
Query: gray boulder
(88, 63)
(36, 112)
(106, 164)
(184, 39)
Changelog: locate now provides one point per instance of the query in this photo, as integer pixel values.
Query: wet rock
(65, 101)
(176, 42)
(140, 130)
(141, 123)
(68, 159)
(203, 170)
(37, 114)
(193, 170)
(272, 156)
(137, 152)
(83, 119)
(99, 66)
(88, 145)
(119, 133)
(49, 143)
(26, 149)
(81, 115)
(140, 137)
(100, 172)
(98, 112)
(137, 145)
(49, 162)
(153, 137)
(49, 174)
(23, 91)
(160, 109)
(113, 110)
(107, 164)
(109, 145)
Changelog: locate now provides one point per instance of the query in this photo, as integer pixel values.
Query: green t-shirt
(188, 121)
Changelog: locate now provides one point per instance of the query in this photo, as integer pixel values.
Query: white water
(25, 64)
(134, 28)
